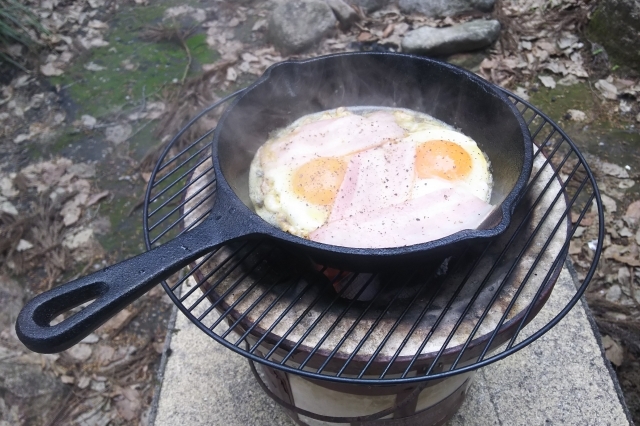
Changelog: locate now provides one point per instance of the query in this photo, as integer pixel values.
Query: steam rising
(291, 90)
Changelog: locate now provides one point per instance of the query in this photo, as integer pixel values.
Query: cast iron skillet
(284, 93)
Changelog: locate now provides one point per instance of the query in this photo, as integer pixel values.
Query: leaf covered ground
(80, 133)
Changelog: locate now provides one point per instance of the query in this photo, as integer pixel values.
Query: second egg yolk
(319, 180)
(443, 159)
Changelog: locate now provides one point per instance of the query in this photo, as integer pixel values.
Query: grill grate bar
(547, 162)
(392, 329)
(242, 284)
(312, 326)
(444, 313)
(178, 222)
(231, 288)
(509, 273)
(269, 308)
(210, 274)
(535, 133)
(186, 161)
(181, 179)
(182, 131)
(370, 330)
(232, 267)
(416, 323)
(232, 306)
(353, 326)
(183, 203)
(279, 319)
(482, 285)
(181, 192)
(565, 248)
(533, 117)
(336, 322)
(194, 269)
(494, 266)
(524, 109)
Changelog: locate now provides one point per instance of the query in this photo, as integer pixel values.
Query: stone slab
(562, 378)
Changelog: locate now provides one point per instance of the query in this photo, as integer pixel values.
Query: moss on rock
(616, 25)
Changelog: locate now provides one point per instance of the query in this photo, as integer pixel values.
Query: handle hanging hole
(70, 312)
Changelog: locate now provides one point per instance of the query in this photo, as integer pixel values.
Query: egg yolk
(319, 180)
(443, 159)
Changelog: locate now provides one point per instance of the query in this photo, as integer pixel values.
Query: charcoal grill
(412, 328)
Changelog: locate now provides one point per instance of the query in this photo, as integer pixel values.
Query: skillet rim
(507, 206)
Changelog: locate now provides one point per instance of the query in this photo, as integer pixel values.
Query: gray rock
(345, 13)
(369, 5)
(446, 41)
(442, 8)
(80, 352)
(297, 25)
(470, 61)
(34, 395)
(616, 25)
(614, 293)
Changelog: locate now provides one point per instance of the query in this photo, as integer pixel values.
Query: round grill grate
(379, 329)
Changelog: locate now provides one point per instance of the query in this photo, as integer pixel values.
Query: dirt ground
(116, 79)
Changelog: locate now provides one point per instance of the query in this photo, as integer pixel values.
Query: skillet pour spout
(286, 92)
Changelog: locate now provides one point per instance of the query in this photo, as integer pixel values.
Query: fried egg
(295, 176)
(338, 170)
(447, 157)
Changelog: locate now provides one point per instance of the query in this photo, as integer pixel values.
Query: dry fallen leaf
(91, 66)
(67, 379)
(116, 322)
(83, 382)
(104, 354)
(260, 23)
(155, 110)
(24, 245)
(607, 89)
(22, 138)
(6, 186)
(88, 121)
(78, 238)
(609, 203)
(7, 207)
(624, 276)
(613, 351)
(128, 405)
(547, 81)
(70, 213)
(568, 80)
(522, 92)
(366, 36)
(577, 115)
(80, 352)
(633, 211)
(627, 259)
(232, 75)
(49, 70)
(575, 247)
(96, 197)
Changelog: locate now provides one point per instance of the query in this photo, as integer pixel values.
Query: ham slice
(376, 178)
(334, 137)
(426, 218)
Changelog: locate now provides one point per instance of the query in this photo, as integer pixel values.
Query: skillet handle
(114, 287)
